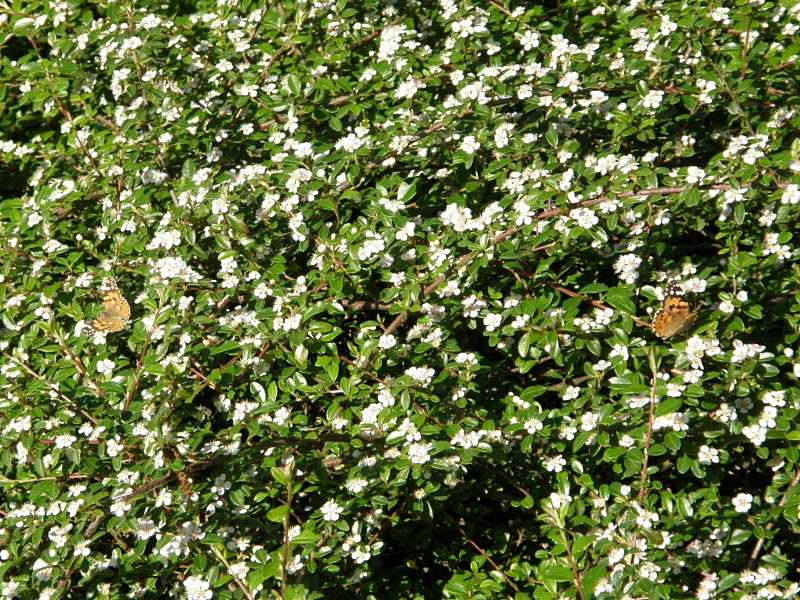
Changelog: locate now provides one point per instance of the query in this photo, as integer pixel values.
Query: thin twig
(576, 576)
(760, 543)
(238, 581)
(648, 437)
(594, 303)
(488, 559)
(286, 517)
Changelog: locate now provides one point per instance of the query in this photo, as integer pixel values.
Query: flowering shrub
(385, 278)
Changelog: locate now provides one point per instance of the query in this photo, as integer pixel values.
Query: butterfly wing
(674, 315)
(116, 310)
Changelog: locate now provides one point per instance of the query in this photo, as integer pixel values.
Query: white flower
(695, 175)
(295, 564)
(105, 366)
(726, 307)
(555, 463)
(626, 265)
(113, 448)
(387, 341)
(707, 455)
(649, 571)
(419, 453)
(755, 433)
(360, 554)
(708, 587)
(558, 499)
(529, 40)
(197, 588)
(472, 306)
(533, 425)
(742, 502)
(423, 375)
(239, 570)
(492, 321)
(653, 99)
(356, 485)
(775, 398)
(331, 511)
(373, 245)
(618, 350)
(467, 439)
(146, 529)
(584, 217)
(589, 421)
(791, 195)
(646, 519)
(409, 88)
(470, 145)
(65, 441)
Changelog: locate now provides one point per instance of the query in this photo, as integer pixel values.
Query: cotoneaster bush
(391, 270)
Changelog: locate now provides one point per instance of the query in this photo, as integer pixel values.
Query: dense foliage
(386, 278)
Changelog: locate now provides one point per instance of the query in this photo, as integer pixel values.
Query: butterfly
(673, 316)
(116, 311)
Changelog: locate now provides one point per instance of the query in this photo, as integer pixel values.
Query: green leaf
(739, 213)
(22, 24)
(277, 514)
(524, 345)
(258, 390)
(620, 299)
(672, 441)
(281, 476)
(739, 536)
(685, 507)
(560, 574)
(294, 85)
(582, 543)
(667, 407)
(406, 191)
(188, 169)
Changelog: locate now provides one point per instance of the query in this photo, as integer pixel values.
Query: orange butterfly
(673, 316)
(116, 311)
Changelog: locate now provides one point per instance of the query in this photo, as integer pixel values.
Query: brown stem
(238, 581)
(594, 303)
(648, 437)
(760, 543)
(286, 536)
(488, 559)
(576, 576)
